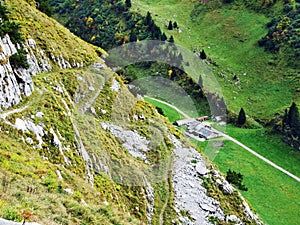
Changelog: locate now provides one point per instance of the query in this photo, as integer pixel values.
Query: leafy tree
(128, 3)
(242, 117)
(293, 119)
(203, 54)
(170, 26)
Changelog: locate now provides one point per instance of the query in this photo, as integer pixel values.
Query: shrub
(10, 214)
(51, 184)
(13, 30)
(19, 59)
(236, 179)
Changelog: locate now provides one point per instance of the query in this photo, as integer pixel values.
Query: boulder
(227, 188)
(233, 218)
(201, 168)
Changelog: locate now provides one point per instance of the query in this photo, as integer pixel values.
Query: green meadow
(230, 38)
(274, 195)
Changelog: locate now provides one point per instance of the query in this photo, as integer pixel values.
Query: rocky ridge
(17, 82)
(191, 196)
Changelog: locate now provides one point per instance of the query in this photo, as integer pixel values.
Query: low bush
(19, 59)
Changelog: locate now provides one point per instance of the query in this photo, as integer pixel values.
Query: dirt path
(161, 215)
(261, 157)
(236, 142)
(170, 105)
(10, 112)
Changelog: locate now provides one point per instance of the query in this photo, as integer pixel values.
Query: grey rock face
(136, 144)
(26, 126)
(7, 222)
(190, 196)
(17, 82)
(227, 188)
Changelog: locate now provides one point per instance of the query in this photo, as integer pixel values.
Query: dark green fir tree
(294, 120)
(170, 26)
(242, 117)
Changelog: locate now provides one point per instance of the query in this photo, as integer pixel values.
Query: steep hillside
(79, 148)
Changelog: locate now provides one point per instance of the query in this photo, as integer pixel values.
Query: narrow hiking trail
(5, 114)
(269, 162)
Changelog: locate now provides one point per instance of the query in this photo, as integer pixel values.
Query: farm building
(198, 128)
(184, 122)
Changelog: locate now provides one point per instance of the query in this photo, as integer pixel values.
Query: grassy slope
(270, 146)
(168, 111)
(49, 35)
(271, 193)
(22, 166)
(230, 38)
(30, 189)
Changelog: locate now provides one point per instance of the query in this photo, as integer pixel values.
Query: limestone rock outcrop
(17, 82)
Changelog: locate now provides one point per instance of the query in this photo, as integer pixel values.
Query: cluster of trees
(106, 23)
(172, 25)
(283, 32)
(12, 28)
(257, 5)
(289, 126)
(167, 71)
(236, 179)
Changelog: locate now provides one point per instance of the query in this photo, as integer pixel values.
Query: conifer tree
(132, 37)
(294, 120)
(170, 26)
(175, 25)
(242, 117)
(203, 54)
(148, 19)
(163, 37)
(171, 39)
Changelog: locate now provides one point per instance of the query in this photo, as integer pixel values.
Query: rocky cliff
(17, 82)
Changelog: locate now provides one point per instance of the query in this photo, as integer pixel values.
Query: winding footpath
(5, 114)
(236, 142)
(186, 116)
